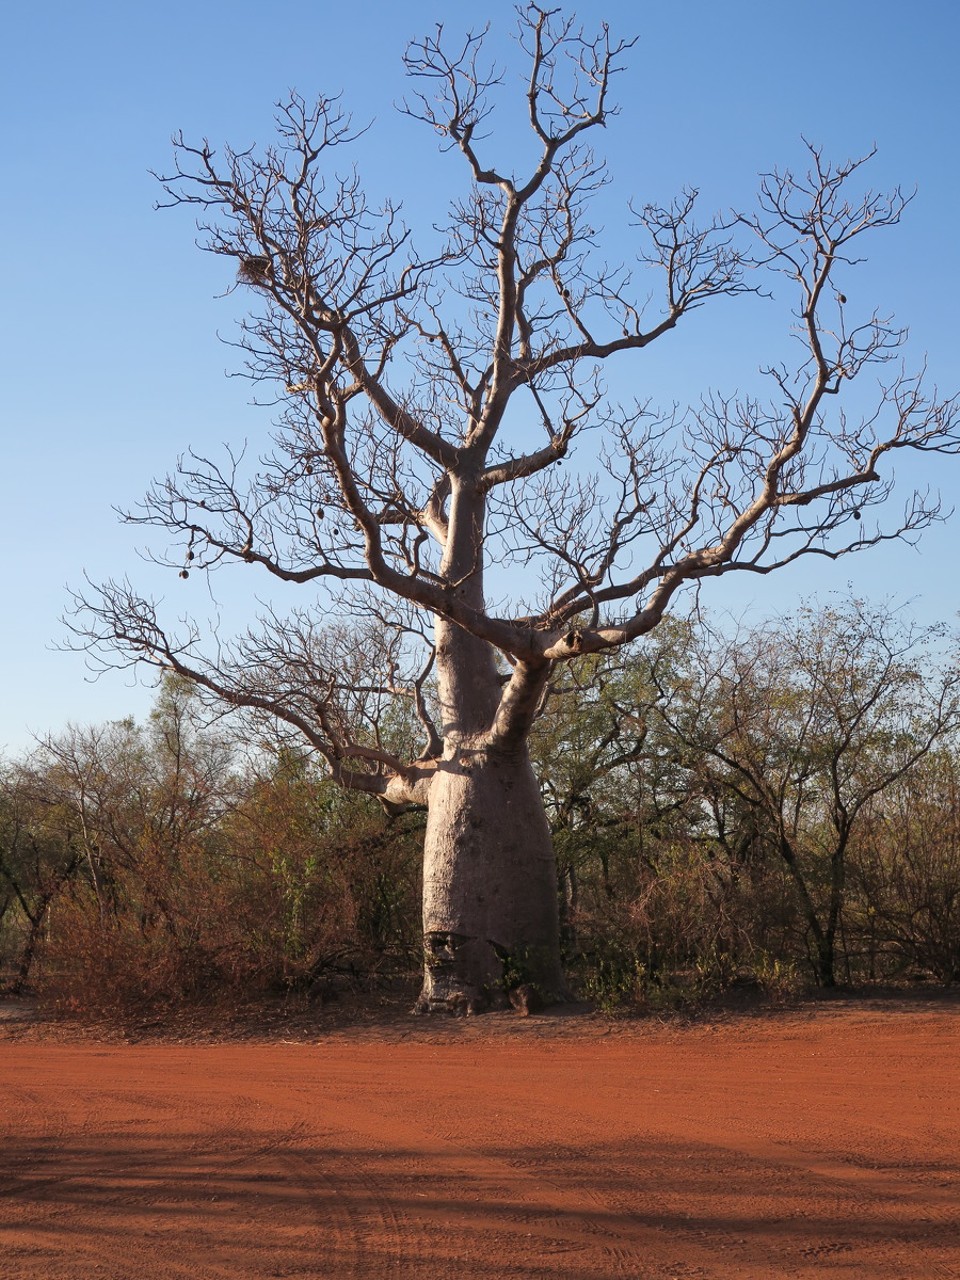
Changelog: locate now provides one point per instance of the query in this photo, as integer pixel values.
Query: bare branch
(435, 410)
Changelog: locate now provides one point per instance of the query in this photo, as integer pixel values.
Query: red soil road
(801, 1144)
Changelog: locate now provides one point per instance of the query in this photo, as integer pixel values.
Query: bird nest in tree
(255, 270)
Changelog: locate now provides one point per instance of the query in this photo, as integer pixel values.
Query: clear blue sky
(110, 360)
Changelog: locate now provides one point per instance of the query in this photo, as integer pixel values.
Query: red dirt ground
(815, 1142)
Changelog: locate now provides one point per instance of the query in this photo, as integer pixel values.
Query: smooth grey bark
(490, 913)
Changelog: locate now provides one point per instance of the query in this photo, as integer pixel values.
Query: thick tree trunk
(490, 912)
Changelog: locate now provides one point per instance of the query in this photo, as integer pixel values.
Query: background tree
(143, 805)
(429, 402)
(590, 728)
(140, 795)
(675, 894)
(40, 852)
(796, 733)
(607, 778)
(905, 871)
(316, 884)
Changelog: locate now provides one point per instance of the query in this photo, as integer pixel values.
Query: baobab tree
(429, 404)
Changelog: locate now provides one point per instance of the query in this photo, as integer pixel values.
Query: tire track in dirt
(793, 1174)
(532, 1207)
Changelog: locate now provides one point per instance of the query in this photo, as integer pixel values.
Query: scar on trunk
(441, 947)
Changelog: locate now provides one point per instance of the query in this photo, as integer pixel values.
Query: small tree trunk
(825, 961)
(569, 899)
(490, 911)
(29, 951)
(25, 963)
(823, 954)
